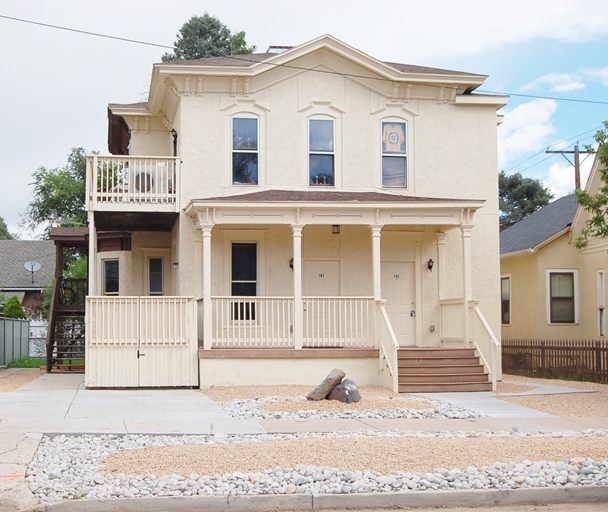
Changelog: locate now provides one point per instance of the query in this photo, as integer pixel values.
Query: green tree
(519, 197)
(596, 204)
(59, 195)
(206, 36)
(4, 234)
(13, 308)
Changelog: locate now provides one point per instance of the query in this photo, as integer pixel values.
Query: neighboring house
(27, 283)
(550, 289)
(266, 218)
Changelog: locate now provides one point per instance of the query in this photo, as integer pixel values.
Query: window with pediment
(245, 150)
(321, 152)
(394, 154)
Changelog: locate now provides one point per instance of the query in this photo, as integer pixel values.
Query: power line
(545, 97)
(86, 32)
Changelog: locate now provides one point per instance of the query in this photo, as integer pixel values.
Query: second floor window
(321, 152)
(394, 154)
(244, 151)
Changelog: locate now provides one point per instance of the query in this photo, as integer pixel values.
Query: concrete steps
(440, 370)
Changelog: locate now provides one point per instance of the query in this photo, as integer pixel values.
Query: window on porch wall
(155, 276)
(244, 272)
(110, 277)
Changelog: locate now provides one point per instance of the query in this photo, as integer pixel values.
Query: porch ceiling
(135, 221)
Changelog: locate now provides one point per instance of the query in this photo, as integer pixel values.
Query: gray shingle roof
(543, 224)
(15, 253)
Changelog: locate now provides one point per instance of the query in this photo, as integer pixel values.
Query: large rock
(346, 392)
(330, 382)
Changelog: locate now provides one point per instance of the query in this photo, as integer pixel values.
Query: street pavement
(59, 403)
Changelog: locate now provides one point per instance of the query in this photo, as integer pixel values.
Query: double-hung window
(562, 305)
(321, 152)
(110, 277)
(394, 154)
(244, 151)
(505, 300)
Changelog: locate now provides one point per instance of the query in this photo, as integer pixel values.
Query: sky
(549, 56)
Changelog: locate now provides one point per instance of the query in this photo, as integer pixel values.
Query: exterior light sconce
(175, 264)
(429, 264)
(335, 229)
(291, 263)
(174, 135)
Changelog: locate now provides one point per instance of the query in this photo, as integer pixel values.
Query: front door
(398, 289)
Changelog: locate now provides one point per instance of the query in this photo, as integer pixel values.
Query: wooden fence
(570, 359)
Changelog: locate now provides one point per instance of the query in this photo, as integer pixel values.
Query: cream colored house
(266, 218)
(550, 289)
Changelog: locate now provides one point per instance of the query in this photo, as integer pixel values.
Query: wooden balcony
(128, 183)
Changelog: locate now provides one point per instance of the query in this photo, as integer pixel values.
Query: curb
(363, 501)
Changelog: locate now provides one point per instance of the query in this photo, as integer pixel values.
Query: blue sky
(57, 84)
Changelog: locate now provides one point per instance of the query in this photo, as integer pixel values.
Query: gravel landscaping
(342, 462)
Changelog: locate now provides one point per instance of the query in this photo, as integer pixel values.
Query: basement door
(141, 342)
(398, 289)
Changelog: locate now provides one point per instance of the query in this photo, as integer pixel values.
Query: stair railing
(388, 345)
(486, 344)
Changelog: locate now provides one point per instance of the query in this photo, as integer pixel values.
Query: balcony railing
(116, 182)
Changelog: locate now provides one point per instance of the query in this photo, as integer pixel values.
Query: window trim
(601, 303)
(244, 115)
(548, 273)
(161, 253)
(385, 154)
(331, 152)
(162, 275)
(104, 283)
(510, 281)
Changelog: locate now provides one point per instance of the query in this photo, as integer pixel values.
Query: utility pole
(576, 164)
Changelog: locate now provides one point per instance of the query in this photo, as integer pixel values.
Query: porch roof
(329, 206)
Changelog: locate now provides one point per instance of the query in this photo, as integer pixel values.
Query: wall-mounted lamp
(174, 135)
(429, 264)
(175, 264)
(335, 229)
(291, 263)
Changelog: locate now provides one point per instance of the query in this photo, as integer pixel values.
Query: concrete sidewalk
(58, 403)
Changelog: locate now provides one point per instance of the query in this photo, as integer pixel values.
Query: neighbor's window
(394, 154)
(155, 276)
(244, 151)
(110, 277)
(505, 300)
(601, 310)
(561, 293)
(321, 151)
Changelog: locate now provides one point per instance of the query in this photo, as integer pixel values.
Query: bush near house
(13, 308)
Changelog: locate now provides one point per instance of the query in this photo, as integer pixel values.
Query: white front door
(398, 289)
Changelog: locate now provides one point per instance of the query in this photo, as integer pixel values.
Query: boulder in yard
(345, 392)
(330, 382)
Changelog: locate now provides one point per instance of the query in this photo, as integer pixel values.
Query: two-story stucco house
(266, 218)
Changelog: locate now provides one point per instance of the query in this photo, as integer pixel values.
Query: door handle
(139, 354)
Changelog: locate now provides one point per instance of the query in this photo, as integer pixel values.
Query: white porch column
(92, 281)
(441, 263)
(467, 277)
(298, 305)
(207, 306)
(198, 264)
(376, 270)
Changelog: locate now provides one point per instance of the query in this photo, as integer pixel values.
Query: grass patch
(27, 362)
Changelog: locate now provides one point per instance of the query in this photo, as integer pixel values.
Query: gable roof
(13, 256)
(532, 232)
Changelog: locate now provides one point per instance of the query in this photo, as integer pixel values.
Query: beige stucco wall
(529, 291)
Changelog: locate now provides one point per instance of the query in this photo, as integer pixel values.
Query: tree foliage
(59, 195)
(206, 36)
(596, 204)
(4, 234)
(519, 197)
(13, 308)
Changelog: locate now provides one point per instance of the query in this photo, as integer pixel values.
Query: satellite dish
(32, 266)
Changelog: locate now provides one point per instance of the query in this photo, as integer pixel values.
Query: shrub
(13, 308)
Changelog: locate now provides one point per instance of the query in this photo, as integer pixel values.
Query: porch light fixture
(429, 264)
(291, 263)
(335, 229)
(175, 264)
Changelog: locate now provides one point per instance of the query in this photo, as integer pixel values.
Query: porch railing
(252, 322)
(452, 323)
(119, 181)
(487, 345)
(339, 322)
(389, 346)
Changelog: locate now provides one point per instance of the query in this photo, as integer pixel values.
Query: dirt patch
(15, 380)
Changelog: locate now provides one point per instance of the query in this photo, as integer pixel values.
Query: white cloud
(525, 129)
(557, 82)
(600, 74)
(561, 180)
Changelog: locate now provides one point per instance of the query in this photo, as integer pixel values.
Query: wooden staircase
(67, 343)
(440, 370)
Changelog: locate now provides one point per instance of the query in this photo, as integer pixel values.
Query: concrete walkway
(58, 403)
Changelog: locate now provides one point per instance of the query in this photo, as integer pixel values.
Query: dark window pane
(562, 297)
(245, 133)
(111, 276)
(244, 262)
(155, 277)
(156, 264)
(321, 169)
(240, 289)
(393, 171)
(321, 135)
(245, 168)
(562, 311)
(393, 138)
